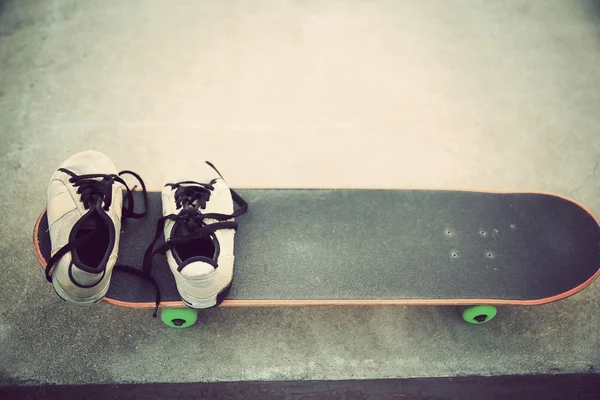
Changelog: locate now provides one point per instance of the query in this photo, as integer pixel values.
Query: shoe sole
(208, 302)
(88, 301)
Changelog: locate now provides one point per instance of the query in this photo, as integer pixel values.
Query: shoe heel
(78, 302)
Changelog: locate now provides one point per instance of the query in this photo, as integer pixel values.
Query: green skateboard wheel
(478, 314)
(179, 317)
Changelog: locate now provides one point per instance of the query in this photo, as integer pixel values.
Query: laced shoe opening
(196, 247)
(92, 252)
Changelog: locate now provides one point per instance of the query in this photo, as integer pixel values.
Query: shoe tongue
(183, 229)
(90, 222)
(180, 230)
(89, 225)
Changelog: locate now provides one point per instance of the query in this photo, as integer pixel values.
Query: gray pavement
(368, 94)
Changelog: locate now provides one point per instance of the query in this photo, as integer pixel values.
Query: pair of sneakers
(87, 200)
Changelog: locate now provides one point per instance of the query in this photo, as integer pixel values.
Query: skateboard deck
(301, 247)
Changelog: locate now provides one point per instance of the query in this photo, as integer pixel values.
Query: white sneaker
(84, 209)
(199, 232)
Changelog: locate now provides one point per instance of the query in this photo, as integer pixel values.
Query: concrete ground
(369, 94)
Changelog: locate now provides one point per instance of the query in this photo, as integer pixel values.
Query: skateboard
(321, 247)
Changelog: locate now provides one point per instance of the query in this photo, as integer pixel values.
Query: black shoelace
(95, 189)
(191, 199)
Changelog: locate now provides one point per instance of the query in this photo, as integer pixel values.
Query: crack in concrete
(587, 178)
